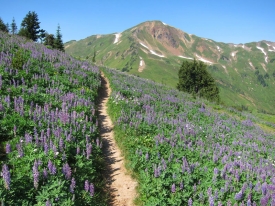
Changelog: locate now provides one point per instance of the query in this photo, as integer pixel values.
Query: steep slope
(245, 73)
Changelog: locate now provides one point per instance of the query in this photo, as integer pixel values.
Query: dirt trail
(120, 185)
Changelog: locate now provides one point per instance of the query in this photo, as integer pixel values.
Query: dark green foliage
(3, 27)
(58, 43)
(13, 27)
(266, 76)
(195, 79)
(42, 35)
(30, 27)
(273, 74)
(261, 78)
(49, 40)
(8, 27)
(20, 58)
(94, 56)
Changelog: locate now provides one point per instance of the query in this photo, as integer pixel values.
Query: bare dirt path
(120, 185)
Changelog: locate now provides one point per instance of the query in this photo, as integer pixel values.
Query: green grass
(237, 88)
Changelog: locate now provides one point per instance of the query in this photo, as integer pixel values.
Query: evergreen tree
(42, 35)
(3, 26)
(8, 27)
(30, 27)
(49, 40)
(195, 79)
(13, 27)
(58, 43)
(94, 56)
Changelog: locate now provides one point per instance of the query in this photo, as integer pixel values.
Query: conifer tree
(49, 40)
(3, 26)
(94, 56)
(30, 26)
(8, 27)
(195, 79)
(58, 43)
(13, 27)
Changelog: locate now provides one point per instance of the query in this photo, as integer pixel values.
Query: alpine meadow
(149, 116)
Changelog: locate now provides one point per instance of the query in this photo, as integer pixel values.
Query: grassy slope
(238, 83)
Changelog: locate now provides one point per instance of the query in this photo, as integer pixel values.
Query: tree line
(30, 28)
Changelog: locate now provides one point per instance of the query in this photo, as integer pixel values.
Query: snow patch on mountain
(118, 35)
(152, 52)
(143, 45)
(262, 49)
(218, 48)
(185, 57)
(164, 23)
(203, 60)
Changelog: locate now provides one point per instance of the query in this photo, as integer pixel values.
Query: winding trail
(120, 185)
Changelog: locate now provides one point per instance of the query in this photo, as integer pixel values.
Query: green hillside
(245, 73)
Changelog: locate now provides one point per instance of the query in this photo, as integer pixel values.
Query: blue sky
(232, 21)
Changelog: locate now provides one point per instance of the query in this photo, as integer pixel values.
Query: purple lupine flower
(211, 200)
(35, 174)
(61, 144)
(72, 186)
(89, 150)
(8, 148)
(48, 203)
(173, 188)
(147, 156)
(45, 173)
(219, 203)
(67, 171)
(248, 203)
(239, 195)
(86, 186)
(48, 132)
(77, 150)
(181, 186)
(209, 191)
(46, 147)
(264, 188)
(97, 142)
(51, 167)
(6, 176)
(264, 200)
(190, 202)
(20, 150)
(229, 203)
(92, 189)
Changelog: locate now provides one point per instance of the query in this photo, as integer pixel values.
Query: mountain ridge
(155, 50)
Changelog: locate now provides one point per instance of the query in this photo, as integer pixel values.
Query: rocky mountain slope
(245, 73)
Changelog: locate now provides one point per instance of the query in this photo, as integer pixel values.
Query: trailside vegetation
(195, 79)
(182, 152)
(50, 144)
